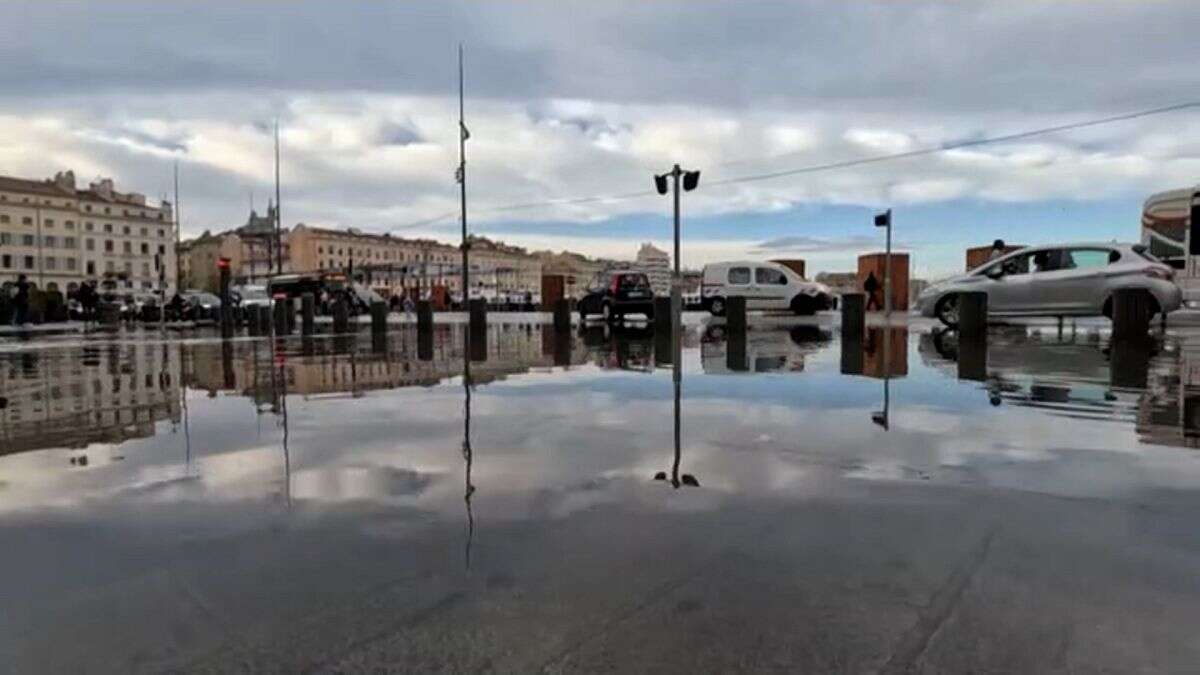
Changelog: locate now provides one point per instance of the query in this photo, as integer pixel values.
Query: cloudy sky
(575, 100)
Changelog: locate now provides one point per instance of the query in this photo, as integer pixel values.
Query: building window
(107, 210)
(70, 264)
(49, 241)
(68, 242)
(162, 249)
(125, 230)
(49, 222)
(108, 266)
(6, 261)
(128, 246)
(70, 224)
(5, 238)
(51, 263)
(128, 268)
(108, 246)
(91, 268)
(145, 248)
(144, 231)
(27, 220)
(145, 269)
(88, 208)
(27, 240)
(90, 244)
(160, 233)
(90, 226)
(28, 262)
(108, 228)
(4, 218)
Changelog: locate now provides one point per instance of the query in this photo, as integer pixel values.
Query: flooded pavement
(601, 501)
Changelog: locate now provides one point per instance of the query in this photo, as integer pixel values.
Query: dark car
(617, 294)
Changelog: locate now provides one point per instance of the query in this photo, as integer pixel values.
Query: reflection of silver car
(1061, 280)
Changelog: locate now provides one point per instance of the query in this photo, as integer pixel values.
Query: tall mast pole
(278, 219)
(178, 240)
(462, 181)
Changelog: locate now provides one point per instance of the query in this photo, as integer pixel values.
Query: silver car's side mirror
(995, 272)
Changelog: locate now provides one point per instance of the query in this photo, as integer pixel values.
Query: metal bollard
(379, 317)
(341, 317)
(972, 315)
(281, 320)
(308, 314)
(854, 316)
(253, 327)
(424, 316)
(1131, 313)
(735, 314)
(562, 315)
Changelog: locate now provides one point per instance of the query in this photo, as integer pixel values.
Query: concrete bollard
(308, 314)
(972, 315)
(379, 317)
(477, 314)
(735, 314)
(562, 347)
(854, 316)
(253, 327)
(424, 316)
(341, 317)
(1131, 313)
(562, 316)
(281, 322)
(290, 316)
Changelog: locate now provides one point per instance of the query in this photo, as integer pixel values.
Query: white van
(765, 285)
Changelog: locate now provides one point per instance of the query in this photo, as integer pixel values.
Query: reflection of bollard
(972, 355)
(854, 317)
(663, 349)
(261, 315)
(424, 316)
(379, 342)
(478, 343)
(735, 314)
(379, 317)
(1131, 313)
(308, 314)
(562, 315)
(662, 316)
(562, 347)
(972, 316)
(852, 350)
(308, 346)
(253, 327)
(735, 349)
(477, 315)
(281, 311)
(425, 345)
(341, 316)
(1129, 365)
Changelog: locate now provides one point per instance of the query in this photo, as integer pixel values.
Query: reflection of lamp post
(468, 453)
(882, 417)
(677, 375)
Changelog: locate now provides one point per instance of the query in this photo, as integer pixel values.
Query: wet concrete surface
(902, 504)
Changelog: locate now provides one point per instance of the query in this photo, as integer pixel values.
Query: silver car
(1058, 280)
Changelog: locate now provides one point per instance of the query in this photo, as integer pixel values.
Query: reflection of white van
(765, 285)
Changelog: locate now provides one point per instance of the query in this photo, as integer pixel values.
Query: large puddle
(601, 501)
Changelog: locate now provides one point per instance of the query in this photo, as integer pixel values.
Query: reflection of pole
(677, 377)
(468, 453)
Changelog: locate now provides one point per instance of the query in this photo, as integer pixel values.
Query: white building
(656, 264)
(59, 235)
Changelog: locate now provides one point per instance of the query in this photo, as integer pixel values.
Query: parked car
(765, 285)
(248, 298)
(1057, 280)
(144, 307)
(617, 294)
(201, 306)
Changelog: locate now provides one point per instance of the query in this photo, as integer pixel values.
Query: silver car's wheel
(717, 306)
(946, 310)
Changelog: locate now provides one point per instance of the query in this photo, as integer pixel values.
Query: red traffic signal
(223, 263)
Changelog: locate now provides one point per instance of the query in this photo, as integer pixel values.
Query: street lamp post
(690, 180)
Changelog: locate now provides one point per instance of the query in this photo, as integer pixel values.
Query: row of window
(51, 263)
(51, 241)
(89, 226)
(362, 253)
(764, 276)
(88, 207)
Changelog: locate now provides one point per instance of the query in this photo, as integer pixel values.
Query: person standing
(408, 306)
(21, 302)
(871, 287)
(998, 250)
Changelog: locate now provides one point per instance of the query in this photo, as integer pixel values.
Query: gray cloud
(806, 244)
